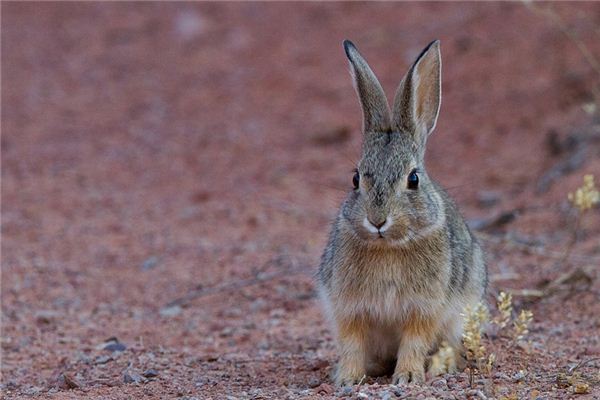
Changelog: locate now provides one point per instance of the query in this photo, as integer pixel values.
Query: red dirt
(149, 149)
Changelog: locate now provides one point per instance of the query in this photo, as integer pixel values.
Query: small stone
(362, 395)
(487, 198)
(170, 311)
(313, 382)
(150, 263)
(31, 391)
(131, 377)
(347, 390)
(324, 388)
(102, 359)
(398, 392)
(70, 381)
(440, 383)
(501, 376)
(226, 332)
(150, 373)
(581, 388)
(319, 364)
(519, 376)
(387, 396)
(115, 347)
(480, 395)
(46, 316)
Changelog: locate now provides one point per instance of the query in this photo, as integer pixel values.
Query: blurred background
(170, 171)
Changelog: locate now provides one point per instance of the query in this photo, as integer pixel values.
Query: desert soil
(170, 171)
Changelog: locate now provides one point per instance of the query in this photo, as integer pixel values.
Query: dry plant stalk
(584, 198)
(505, 308)
(553, 17)
(521, 324)
(475, 318)
(474, 322)
(491, 360)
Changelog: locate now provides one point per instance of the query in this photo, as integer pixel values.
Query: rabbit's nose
(378, 225)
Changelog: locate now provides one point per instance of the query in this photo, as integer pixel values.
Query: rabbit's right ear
(376, 112)
(418, 99)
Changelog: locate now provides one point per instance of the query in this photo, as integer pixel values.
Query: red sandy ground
(152, 150)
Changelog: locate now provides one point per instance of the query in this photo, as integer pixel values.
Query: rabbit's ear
(418, 98)
(376, 112)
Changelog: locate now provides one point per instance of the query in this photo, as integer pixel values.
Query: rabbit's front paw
(404, 376)
(348, 378)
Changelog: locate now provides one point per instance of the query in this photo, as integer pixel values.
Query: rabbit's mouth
(378, 232)
(377, 228)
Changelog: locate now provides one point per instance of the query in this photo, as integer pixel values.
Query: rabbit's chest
(392, 302)
(390, 293)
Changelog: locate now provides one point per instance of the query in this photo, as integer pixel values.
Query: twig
(554, 17)
(235, 285)
(570, 278)
(573, 240)
(582, 363)
(496, 221)
(564, 167)
(362, 380)
(538, 250)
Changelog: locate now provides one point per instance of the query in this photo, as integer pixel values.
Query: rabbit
(401, 264)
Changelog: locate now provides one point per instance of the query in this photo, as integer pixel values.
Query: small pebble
(397, 391)
(314, 382)
(71, 382)
(113, 344)
(440, 383)
(46, 316)
(347, 390)
(102, 359)
(519, 376)
(150, 373)
(488, 198)
(581, 388)
(324, 388)
(319, 364)
(387, 396)
(150, 263)
(170, 311)
(478, 394)
(131, 377)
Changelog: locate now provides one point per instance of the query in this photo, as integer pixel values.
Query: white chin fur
(388, 223)
(368, 226)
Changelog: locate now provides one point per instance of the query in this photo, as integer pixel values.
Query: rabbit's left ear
(418, 98)
(376, 112)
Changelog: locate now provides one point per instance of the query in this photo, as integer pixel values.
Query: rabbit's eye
(413, 180)
(355, 180)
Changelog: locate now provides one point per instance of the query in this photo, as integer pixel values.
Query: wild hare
(401, 264)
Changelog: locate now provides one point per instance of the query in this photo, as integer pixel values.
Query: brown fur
(395, 290)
